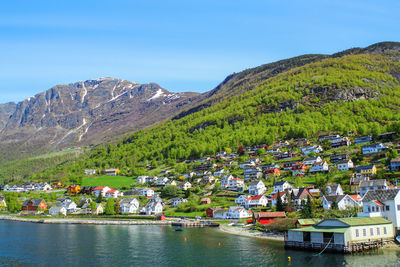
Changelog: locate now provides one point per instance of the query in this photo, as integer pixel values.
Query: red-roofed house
(113, 193)
(256, 201)
(101, 190)
(267, 217)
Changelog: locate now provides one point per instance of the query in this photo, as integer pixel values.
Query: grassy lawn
(111, 181)
(174, 213)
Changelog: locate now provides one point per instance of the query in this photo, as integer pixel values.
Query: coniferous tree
(110, 207)
(279, 204)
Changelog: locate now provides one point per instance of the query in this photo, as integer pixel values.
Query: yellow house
(3, 205)
(368, 170)
(74, 189)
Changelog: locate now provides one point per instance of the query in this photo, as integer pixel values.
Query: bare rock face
(86, 113)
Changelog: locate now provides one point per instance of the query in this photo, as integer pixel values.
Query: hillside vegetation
(354, 92)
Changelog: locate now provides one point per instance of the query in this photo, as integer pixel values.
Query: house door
(306, 237)
(328, 237)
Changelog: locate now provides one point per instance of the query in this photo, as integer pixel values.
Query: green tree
(110, 207)
(93, 206)
(99, 199)
(279, 204)
(307, 210)
(170, 191)
(117, 208)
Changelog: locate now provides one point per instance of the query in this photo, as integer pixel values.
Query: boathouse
(342, 235)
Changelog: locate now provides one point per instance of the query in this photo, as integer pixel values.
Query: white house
(236, 184)
(90, 171)
(219, 172)
(281, 186)
(252, 173)
(153, 207)
(142, 179)
(162, 181)
(101, 190)
(334, 189)
(242, 199)
(382, 203)
(57, 210)
(237, 213)
(176, 201)
(184, 185)
(374, 148)
(320, 167)
(343, 202)
(225, 180)
(147, 192)
(345, 165)
(113, 193)
(256, 201)
(257, 188)
(312, 160)
(69, 206)
(274, 198)
(372, 185)
(129, 205)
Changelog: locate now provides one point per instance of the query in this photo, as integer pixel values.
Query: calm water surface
(29, 244)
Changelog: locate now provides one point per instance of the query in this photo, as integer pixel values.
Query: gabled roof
(280, 183)
(100, 188)
(308, 221)
(378, 203)
(380, 195)
(127, 200)
(333, 187)
(379, 182)
(367, 167)
(336, 198)
(36, 202)
(354, 221)
(275, 196)
(255, 183)
(311, 158)
(255, 197)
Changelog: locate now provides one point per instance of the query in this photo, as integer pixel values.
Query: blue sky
(181, 45)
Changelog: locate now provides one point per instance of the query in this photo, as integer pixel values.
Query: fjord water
(29, 244)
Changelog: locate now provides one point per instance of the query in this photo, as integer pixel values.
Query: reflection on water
(23, 244)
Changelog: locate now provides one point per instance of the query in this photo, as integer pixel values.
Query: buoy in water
(219, 244)
(289, 258)
(185, 239)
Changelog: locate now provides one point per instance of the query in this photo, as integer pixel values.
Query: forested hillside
(358, 91)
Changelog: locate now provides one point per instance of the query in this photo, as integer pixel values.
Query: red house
(205, 200)
(267, 217)
(274, 171)
(210, 212)
(290, 165)
(34, 205)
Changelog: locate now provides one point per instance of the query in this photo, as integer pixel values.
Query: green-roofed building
(341, 235)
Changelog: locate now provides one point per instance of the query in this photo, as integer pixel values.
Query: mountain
(82, 113)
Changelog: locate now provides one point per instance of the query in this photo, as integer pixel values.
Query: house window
(387, 208)
(398, 207)
(371, 231)
(373, 209)
(378, 231)
(364, 232)
(357, 233)
(384, 230)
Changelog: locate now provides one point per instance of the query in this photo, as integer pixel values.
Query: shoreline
(247, 233)
(85, 221)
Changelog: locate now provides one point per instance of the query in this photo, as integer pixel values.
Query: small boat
(398, 239)
(179, 229)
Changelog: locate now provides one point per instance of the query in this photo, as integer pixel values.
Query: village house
(236, 184)
(112, 172)
(252, 173)
(301, 223)
(114, 193)
(372, 185)
(345, 165)
(363, 140)
(355, 183)
(287, 166)
(146, 192)
(267, 217)
(319, 167)
(34, 206)
(177, 201)
(274, 198)
(334, 190)
(142, 179)
(101, 190)
(256, 201)
(225, 180)
(307, 150)
(210, 212)
(129, 205)
(184, 185)
(153, 208)
(208, 180)
(90, 171)
(172, 182)
(336, 158)
(301, 142)
(189, 175)
(343, 202)
(58, 210)
(162, 181)
(237, 213)
(382, 203)
(3, 204)
(220, 172)
(281, 186)
(327, 137)
(312, 160)
(242, 199)
(342, 234)
(299, 196)
(341, 141)
(395, 164)
(257, 188)
(373, 148)
(368, 170)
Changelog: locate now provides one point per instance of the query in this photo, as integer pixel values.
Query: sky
(181, 45)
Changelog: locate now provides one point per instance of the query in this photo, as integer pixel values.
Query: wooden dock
(195, 224)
